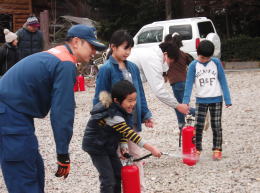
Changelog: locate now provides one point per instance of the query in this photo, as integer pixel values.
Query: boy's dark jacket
(100, 138)
(8, 57)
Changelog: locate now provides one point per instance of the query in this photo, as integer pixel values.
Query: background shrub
(241, 48)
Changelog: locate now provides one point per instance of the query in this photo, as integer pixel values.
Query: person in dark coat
(8, 52)
(30, 38)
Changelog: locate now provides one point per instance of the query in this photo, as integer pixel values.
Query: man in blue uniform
(38, 83)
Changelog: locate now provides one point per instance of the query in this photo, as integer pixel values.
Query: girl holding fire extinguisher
(106, 128)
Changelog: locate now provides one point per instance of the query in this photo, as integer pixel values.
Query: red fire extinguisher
(76, 85)
(188, 144)
(130, 176)
(81, 82)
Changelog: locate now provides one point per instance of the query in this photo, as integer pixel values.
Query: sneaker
(217, 155)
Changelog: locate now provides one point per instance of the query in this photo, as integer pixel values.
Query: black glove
(63, 165)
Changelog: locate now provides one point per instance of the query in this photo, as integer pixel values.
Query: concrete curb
(241, 65)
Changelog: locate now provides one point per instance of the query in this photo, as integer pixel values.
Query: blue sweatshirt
(41, 82)
(210, 82)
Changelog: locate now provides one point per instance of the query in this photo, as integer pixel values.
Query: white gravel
(237, 172)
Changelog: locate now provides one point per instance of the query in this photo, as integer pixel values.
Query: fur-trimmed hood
(106, 107)
(105, 98)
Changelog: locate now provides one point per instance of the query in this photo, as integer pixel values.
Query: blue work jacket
(41, 82)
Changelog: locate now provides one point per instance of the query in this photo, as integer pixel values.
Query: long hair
(171, 45)
(174, 38)
(171, 49)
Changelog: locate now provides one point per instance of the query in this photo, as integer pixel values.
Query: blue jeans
(178, 91)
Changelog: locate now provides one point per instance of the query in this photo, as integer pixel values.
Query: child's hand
(153, 150)
(156, 152)
(148, 123)
(122, 152)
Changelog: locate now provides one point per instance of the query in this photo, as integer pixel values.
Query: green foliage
(241, 48)
(125, 14)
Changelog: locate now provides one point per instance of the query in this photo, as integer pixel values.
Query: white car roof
(177, 21)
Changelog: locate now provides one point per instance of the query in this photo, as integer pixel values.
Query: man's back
(31, 84)
(29, 42)
(151, 65)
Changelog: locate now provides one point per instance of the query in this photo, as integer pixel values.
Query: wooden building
(18, 11)
(13, 14)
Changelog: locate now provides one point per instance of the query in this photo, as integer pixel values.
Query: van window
(205, 28)
(184, 30)
(150, 35)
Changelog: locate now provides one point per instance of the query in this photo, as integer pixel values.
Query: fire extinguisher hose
(141, 158)
(127, 155)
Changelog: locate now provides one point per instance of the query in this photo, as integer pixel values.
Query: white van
(192, 30)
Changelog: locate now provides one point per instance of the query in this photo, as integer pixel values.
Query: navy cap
(86, 33)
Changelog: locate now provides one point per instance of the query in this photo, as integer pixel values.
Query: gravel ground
(237, 172)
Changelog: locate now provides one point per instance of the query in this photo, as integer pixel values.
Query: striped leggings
(215, 110)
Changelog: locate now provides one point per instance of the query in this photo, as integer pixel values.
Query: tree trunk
(168, 9)
(227, 25)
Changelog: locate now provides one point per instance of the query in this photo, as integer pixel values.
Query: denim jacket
(109, 74)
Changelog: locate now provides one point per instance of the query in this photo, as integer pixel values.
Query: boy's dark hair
(121, 89)
(118, 38)
(206, 48)
(171, 49)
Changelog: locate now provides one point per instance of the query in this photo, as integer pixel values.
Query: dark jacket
(8, 57)
(100, 138)
(29, 42)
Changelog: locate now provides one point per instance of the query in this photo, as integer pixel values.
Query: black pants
(109, 169)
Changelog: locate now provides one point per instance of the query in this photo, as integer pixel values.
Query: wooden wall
(19, 9)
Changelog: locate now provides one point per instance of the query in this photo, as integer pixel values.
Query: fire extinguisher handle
(127, 155)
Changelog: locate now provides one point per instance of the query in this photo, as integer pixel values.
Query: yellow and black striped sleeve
(128, 133)
(123, 140)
